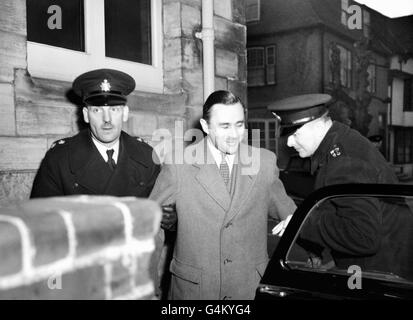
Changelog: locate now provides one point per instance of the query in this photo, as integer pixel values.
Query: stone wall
(78, 247)
(35, 112)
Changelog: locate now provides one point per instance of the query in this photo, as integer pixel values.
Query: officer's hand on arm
(169, 217)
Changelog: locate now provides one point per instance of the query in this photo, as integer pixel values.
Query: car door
(346, 242)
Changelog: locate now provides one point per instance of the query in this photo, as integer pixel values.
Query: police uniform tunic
(365, 232)
(75, 166)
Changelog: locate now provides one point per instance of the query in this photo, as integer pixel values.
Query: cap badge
(105, 85)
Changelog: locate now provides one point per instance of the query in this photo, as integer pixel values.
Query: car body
(288, 277)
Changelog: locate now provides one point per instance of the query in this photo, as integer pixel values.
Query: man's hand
(169, 217)
(279, 228)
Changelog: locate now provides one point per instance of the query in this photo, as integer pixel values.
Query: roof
(282, 16)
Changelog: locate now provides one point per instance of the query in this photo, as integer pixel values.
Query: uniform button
(227, 261)
(141, 183)
(76, 184)
(228, 225)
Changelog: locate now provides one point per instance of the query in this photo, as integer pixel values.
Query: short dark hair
(221, 97)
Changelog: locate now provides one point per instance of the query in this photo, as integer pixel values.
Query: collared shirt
(102, 150)
(229, 158)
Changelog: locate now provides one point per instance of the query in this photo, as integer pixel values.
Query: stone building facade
(35, 111)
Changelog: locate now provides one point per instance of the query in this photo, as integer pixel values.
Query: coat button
(76, 185)
(228, 225)
(141, 183)
(227, 261)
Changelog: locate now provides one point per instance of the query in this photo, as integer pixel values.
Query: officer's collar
(320, 155)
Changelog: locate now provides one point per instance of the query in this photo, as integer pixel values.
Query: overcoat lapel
(209, 178)
(88, 166)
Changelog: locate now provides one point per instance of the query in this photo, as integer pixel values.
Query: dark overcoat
(75, 166)
(367, 232)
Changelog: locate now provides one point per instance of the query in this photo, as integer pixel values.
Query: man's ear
(204, 125)
(85, 114)
(125, 115)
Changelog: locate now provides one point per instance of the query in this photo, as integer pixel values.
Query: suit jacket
(75, 166)
(221, 245)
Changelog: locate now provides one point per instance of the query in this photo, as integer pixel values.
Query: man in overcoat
(103, 159)
(367, 232)
(224, 191)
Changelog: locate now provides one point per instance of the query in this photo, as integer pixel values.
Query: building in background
(319, 46)
(45, 44)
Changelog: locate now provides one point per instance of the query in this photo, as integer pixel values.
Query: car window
(373, 234)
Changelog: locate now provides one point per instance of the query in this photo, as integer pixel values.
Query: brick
(50, 237)
(10, 249)
(21, 153)
(221, 83)
(223, 8)
(193, 84)
(230, 36)
(15, 186)
(13, 16)
(172, 20)
(7, 118)
(172, 50)
(121, 277)
(191, 54)
(191, 19)
(141, 124)
(173, 81)
(226, 63)
(83, 284)
(12, 54)
(143, 272)
(240, 89)
(33, 119)
(146, 215)
(97, 227)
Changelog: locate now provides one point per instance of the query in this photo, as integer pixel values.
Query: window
(261, 66)
(371, 70)
(403, 145)
(252, 10)
(345, 65)
(267, 133)
(341, 239)
(408, 95)
(67, 38)
(366, 23)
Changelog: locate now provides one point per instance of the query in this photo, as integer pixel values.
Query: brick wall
(35, 112)
(78, 247)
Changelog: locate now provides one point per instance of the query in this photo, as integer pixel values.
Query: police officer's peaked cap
(298, 110)
(104, 87)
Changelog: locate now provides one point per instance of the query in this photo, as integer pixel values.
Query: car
(294, 272)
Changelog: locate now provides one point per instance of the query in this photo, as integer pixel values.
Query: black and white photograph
(208, 158)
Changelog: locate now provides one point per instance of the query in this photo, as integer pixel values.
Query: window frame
(248, 5)
(402, 131)
(372, 80)
(67, 64)
(265, 67)
(267, 137)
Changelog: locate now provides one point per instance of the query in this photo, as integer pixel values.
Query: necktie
(111, 162)
(224, 169)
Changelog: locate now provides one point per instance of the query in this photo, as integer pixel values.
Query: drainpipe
(207, 37)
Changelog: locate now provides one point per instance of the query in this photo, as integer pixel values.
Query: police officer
(103, 159)
(365, 232)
